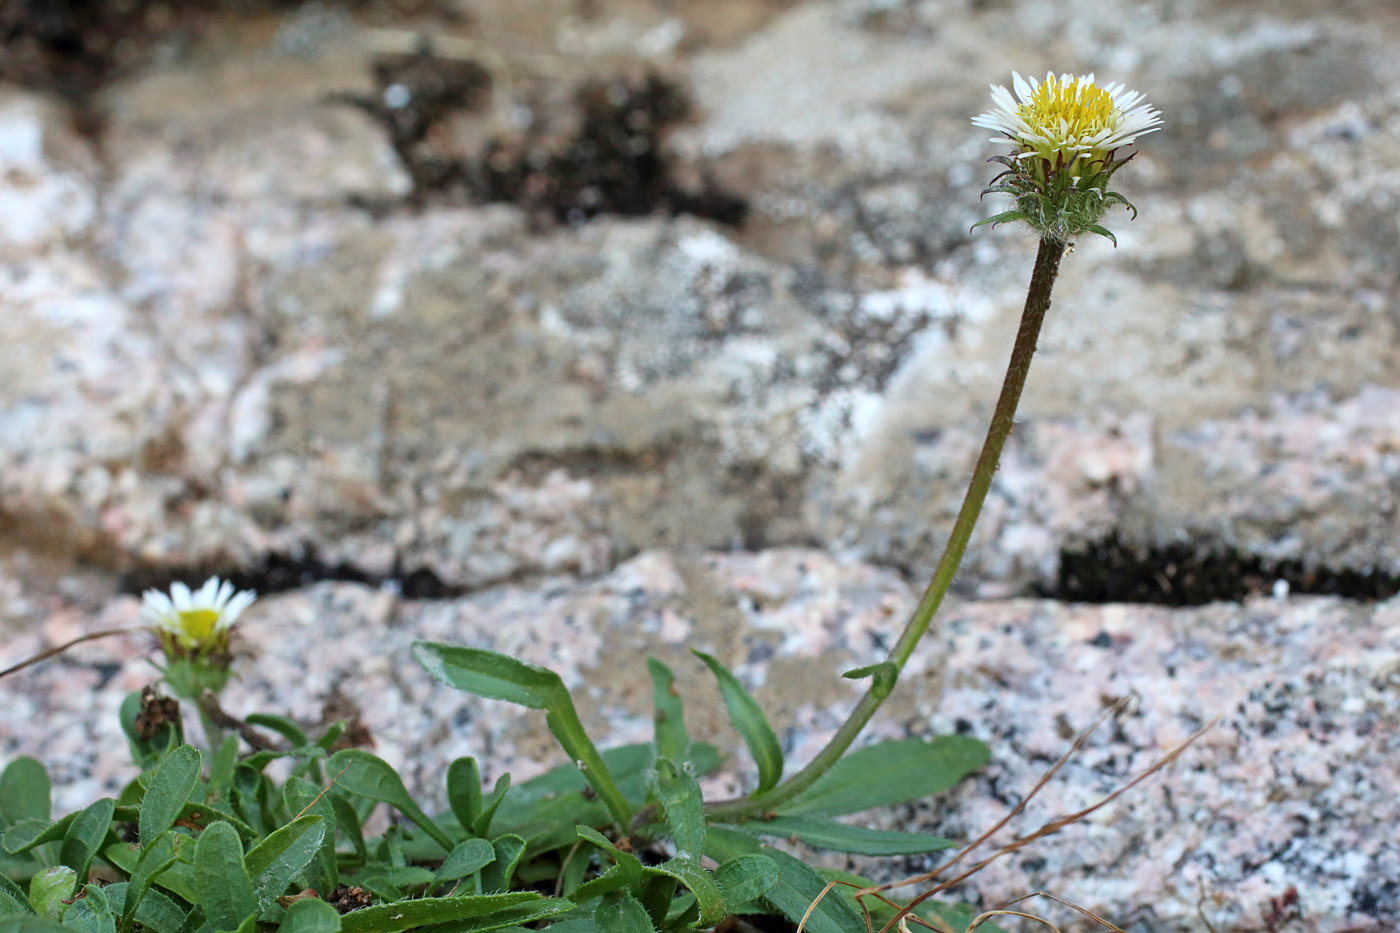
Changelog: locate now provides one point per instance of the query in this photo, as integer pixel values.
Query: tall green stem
(1047, 268)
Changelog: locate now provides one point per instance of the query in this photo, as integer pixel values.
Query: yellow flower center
(197, 625)
(1083, 108)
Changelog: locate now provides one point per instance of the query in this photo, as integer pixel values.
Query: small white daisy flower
(195, 621)
(1068, 121)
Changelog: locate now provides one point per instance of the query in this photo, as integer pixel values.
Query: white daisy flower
(1068, 121)
(197, 620)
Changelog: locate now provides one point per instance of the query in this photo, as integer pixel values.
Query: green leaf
(631, 865)
(512, 918)
(170, 788)
(310, 915)
(86, 834)
(621, 913)
(679, 794)
(1005, 217)
(49, 888)
(497, 874)
(304, 798)
(658, 898)
(798, 884)
(221, 882)
(356, 771)
(282, 725)
(883, 677)
(349, 823)
(274, 862)
(464, 791)
(466, 858)
(700, 883)
(90, 912)
(156, 912)
(842, 837)
(177, 879)
(27, 834)
(221, 767)
(405, 915)
(28, 923)
(672, 741)
(890, 773)
(481, 826)
(12, 897)
(1101, 231)
(156, 857)
(498, 677)
(747, 717)
(24, 792)
(746, 877)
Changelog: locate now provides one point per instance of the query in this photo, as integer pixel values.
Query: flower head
(1066, 132)
(1069, 121)
(198, 622)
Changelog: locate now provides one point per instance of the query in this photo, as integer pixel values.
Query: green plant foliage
(844, 837)
(171, 784)
(752, 725)
(890, 773)
(609, 842)
(24, 792)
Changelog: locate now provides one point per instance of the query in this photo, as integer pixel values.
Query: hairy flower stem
(1047, 268)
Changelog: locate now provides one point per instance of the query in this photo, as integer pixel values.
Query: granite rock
(234, 352)
(1293, 788)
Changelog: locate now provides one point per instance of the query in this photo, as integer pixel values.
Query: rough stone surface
(231, 355)
(228, 333)
(1293, 789)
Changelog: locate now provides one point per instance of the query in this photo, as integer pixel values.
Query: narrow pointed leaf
(356, 771)
(155, 858)
(464, 791)
(672, 741)
(683, 808)
(427, 911)
(1101, 231)
(841, 837)
(700, 883)
(752, 725)
(890, 773)
(499, 677)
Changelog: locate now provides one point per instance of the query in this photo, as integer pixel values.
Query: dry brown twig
(905, 915)
(55, 651)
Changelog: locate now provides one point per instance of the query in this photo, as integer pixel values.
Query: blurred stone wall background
(282, 295)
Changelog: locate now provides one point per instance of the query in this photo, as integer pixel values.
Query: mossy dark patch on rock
(1183, 574)
(73, 47)
(606, 155)
(279, 573)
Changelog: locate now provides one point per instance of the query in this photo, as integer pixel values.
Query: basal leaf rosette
(193, 628)
(1067, 131)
